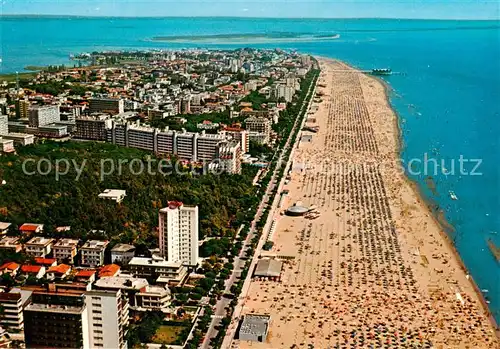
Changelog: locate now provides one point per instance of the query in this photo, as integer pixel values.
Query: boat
(381, 71)
(453, 196)
(494, 249)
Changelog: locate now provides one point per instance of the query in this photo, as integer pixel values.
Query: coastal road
(293, 143)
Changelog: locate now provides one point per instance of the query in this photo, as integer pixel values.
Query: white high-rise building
(4, 125)
(179, 233)
(44, 115)
(107, 319)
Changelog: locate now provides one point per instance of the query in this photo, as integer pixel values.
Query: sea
(446, 91)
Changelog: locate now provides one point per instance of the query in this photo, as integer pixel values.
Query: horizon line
(240, 17)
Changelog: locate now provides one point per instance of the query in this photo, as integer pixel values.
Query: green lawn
(167, 334)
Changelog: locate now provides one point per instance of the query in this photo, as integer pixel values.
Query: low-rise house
(31, 228)
(93, 253)
(4, 228)
(113, 194)
(85, 275)
(109, 270)
(11, 243)
(58, 272)
(13, 304)
(39, 246)
(164, 272)
(10, 268)
(65, 250)
(122, 253)
(37, 271)
(46, 262)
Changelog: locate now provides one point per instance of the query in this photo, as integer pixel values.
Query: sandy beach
(373, 269)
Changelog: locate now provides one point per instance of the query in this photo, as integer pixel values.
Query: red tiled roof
(31, 268)
(109, 270)
(29, 227)
(59, 269)
(9, 266)
(174, 204)
(45, 261)
(85, 273)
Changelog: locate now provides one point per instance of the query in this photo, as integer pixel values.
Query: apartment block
(140, 295)
(178, 233)
(4, 125)
(108, 105)
(108, 319)
(65, 249)
(229, 155)
(13, 303)
(43, 115)
(92, 127)
(238, 134)
(258, 124)
(22, 108)
(39, 246)
(56, 320)
(122, 253)
(92, 253)
(11, 243)
(206, 146)
(171, 273)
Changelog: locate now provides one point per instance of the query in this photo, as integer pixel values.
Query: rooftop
(123, 248)
(31, 268)
(8, 241)
(155, 261)
(95, 245)
(60, 269)
(32, 227)
(39, 240)
(113, 193)
(109, 270)
(122, 282)
(9, 266)
(255, 325)
(45, 261)
(66, 243)
(268, 268)
(52, 308)
(4, 225)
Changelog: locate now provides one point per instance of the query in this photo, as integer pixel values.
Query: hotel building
(92, 127)
(39, 246)
(65, 249)
(110, 105)
(44, 115)
(178, 233)
(229, 155)
(93, 253)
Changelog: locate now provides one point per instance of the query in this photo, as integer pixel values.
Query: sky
(432, 9)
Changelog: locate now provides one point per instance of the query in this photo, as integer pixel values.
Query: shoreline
(375, 255)
(427, 204)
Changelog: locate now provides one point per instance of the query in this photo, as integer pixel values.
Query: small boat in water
(453, 196)
(494, 249)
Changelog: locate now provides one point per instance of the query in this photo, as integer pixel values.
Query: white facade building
(44, 115)
(178, 226)
(93, 253)
(107, 319)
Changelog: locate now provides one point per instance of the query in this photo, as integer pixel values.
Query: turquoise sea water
(447, 98)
